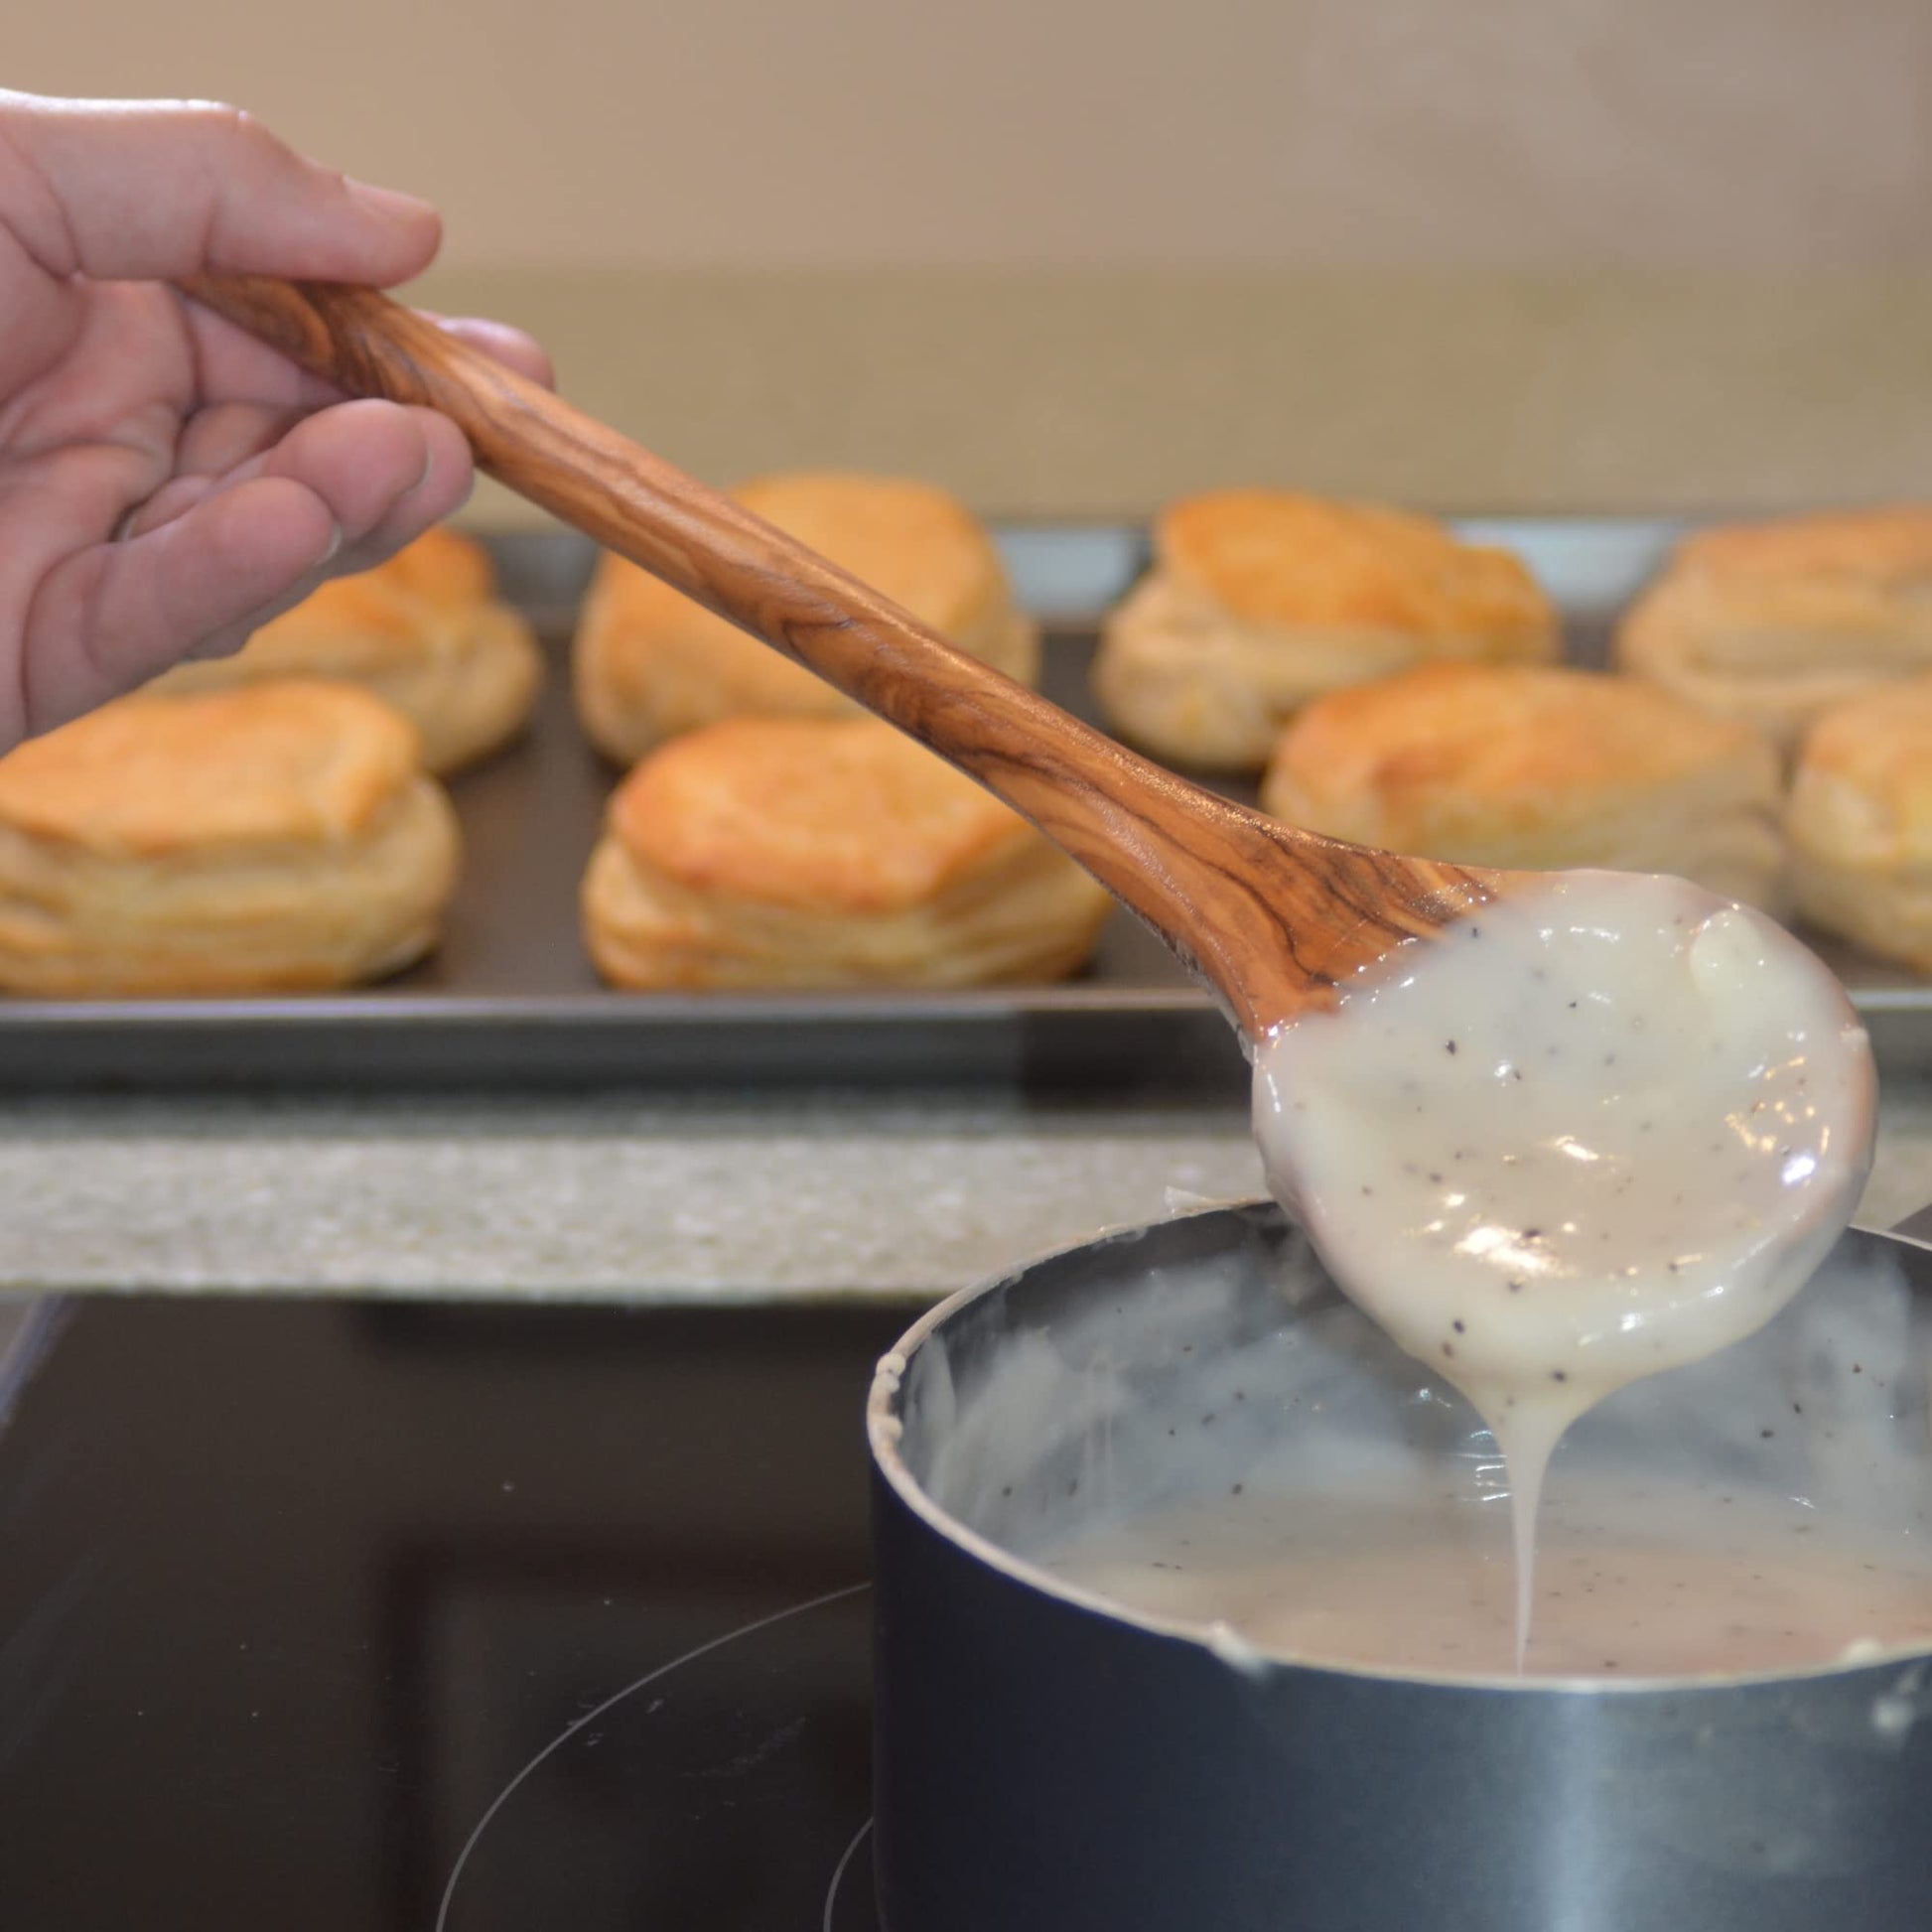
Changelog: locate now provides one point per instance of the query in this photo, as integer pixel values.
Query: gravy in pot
(1635, 1579)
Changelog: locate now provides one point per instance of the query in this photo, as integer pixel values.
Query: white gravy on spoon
(1591, 1133)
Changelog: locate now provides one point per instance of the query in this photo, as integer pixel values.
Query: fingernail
(390, 203)
(333, 545)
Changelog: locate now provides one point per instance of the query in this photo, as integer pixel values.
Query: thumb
(145, 190)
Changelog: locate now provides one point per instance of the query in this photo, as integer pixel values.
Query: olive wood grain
(1270, 917)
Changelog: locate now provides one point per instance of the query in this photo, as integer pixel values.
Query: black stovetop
(346, 1615)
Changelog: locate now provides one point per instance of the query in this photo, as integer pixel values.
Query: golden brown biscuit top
(1883, 547)
(1272, 556)
(1881, 746)
(1502, 737)
(441, 574)
(443, 567)
(833, 814)
(911, 541)
(265, 763)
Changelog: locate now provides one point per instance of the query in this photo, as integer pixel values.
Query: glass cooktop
(358, 1616)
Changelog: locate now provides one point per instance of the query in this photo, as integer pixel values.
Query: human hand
(167, 484)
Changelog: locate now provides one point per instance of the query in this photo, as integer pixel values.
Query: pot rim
(883, 1428)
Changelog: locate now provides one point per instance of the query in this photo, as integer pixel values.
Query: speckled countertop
(610, 1197)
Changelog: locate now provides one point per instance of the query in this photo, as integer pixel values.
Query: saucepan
(1049, 1761)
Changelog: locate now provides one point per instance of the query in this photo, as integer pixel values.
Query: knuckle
(247, 132)
(215, 116)
(231, 127)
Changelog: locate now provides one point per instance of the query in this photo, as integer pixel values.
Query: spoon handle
(1209, 876)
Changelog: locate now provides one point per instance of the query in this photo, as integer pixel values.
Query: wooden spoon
(1273, 917)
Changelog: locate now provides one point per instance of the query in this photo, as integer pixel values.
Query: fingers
(230, 365)
(147, 191)
(112, 616)
(216, 446)
(342, 490)
(363, 458)
(427, 473)
(225, 436)
(385, 472)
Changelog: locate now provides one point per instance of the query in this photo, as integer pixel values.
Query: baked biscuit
(1260, 600)
(423, 631)
(1860, 823)
(825, 852)
(651, 663)
(1774, 623)
(1530, 766)
(280, 837)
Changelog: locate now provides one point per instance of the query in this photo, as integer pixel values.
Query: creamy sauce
(1636, 1580)
(1595, 1132)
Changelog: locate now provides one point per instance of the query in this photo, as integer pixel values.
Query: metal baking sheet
(511, 997)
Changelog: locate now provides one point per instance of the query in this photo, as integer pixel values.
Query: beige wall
(1071, 258)
(1289, 133)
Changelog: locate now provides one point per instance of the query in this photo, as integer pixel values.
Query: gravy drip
(1594, 1131)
